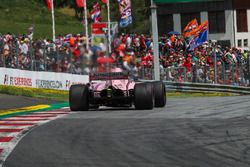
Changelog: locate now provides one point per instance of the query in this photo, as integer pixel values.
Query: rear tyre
(79, 98)
(143, 96)
(160, 94)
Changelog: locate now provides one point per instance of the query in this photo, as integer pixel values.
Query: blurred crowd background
(208, 63)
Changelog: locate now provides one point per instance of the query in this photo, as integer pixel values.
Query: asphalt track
(195, 132)
(12, 102)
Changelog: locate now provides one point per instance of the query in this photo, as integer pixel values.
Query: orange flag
(203, 26)
(200, 28)
(190, 26)
(196, 31)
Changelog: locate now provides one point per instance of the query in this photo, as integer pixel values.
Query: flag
(49, 4)
(202, 27)
(104, 1)
(193, 24)
(203, 37)
(80, 3)
(96, 13)
(196, 31)
(125, 12)
(199, 40)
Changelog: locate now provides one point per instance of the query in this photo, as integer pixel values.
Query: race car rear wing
(109, 76)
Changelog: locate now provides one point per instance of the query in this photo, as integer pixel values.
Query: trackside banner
(34, 79)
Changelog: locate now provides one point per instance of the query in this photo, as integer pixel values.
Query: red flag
(49, 4)
(104, 1)
(80, 3)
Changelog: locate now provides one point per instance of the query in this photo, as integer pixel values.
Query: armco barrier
(203, 88)
(206, 88)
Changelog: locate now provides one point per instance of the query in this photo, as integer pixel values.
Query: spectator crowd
(132, 52)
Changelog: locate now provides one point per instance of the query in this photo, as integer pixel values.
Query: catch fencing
(41, 56)
(224, 74)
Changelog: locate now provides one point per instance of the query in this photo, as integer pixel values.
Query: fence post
(17, 55)
(71, 62)
(194, 73)
(143, 73)
(248, 67)
(3, 56)
(57, 57)
(215, 66)
(33, 54)
(4, 63)
(224, 72)
(185, 74)
(233, 72)
(45, 58)
(31, 57)
(166, 78)
(205, 74)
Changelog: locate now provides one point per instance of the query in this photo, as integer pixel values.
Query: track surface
(193, 132)
(11, 102)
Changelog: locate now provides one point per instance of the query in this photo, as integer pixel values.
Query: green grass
(16, 16)
(189, 95)
(57, 95)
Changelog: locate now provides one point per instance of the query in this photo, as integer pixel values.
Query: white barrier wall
(34, 79)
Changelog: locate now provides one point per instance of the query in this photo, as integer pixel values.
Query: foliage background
(16, 16)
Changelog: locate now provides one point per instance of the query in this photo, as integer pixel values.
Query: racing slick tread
(79, 98)
(160, 94)
(143, 96)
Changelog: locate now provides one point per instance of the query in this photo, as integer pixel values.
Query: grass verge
(187, 94)
(57, 95)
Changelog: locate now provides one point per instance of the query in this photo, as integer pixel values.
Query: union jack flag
(96, 13)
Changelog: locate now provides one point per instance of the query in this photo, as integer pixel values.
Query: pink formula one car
(116, 89)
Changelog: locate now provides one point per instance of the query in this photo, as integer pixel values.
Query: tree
(140, 13)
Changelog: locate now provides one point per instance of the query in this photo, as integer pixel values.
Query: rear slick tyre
(143, 96)
(79, 98)
(160, 94)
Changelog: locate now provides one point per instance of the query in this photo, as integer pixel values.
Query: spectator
(69, 54)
